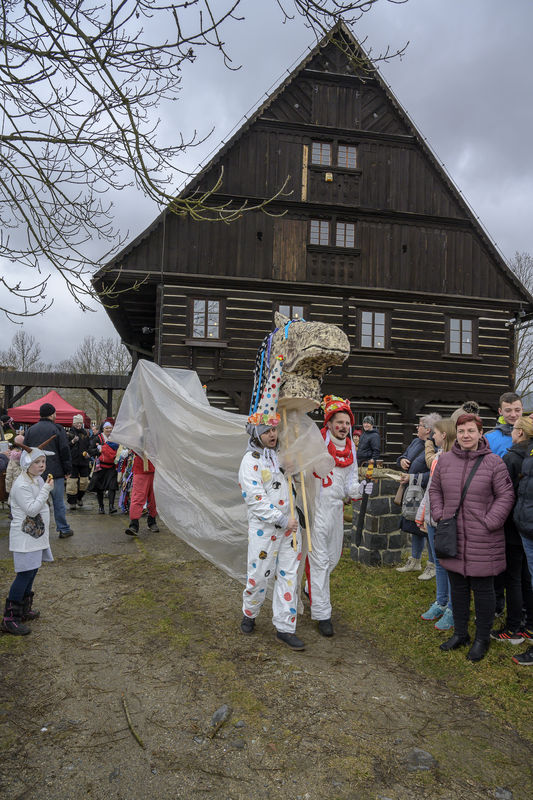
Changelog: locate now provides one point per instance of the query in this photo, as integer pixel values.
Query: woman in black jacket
(523, 516)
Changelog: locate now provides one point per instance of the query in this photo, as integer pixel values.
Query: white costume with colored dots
(271, 555)
(328, 528)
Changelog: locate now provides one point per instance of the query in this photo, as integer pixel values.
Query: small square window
(345, 234)
(347, 156)
(321, 153)
(319, 232)
(292, 311)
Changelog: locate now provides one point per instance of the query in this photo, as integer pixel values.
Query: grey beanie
(368, 419)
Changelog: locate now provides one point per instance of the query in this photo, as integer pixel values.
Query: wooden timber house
(369, 234)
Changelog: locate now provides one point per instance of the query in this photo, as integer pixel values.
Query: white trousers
(271, 556)
(327, 539)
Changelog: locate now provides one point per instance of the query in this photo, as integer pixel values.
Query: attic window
(347, 156)
(205, 319)
(461, 336)
(321, 153)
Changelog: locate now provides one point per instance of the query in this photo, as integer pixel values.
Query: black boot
(12, 621)
(100, 498)
(478, 649)
(112, 509)
(133, 527)
(454, 642)
(152, 524)
(247, 625)
(71, 500)
(27, 612)
(79, 499)
(325, 628)
(290, 639)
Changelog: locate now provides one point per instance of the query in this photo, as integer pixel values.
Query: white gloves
(368, 487)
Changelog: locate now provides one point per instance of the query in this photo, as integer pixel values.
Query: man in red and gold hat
(328, 528)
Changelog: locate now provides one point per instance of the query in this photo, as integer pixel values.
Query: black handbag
(445, 542)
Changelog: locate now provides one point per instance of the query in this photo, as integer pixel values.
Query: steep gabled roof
(340, 34)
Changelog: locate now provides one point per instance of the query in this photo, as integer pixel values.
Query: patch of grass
(386, 606)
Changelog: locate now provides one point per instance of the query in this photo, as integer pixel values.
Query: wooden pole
(289, 481)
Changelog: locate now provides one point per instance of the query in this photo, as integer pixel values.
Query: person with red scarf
(328, 528)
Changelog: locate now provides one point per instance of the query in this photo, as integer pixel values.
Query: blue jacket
(500, 439)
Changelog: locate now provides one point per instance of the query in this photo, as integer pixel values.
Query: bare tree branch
(522, 266)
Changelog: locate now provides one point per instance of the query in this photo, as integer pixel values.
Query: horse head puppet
(308, 350)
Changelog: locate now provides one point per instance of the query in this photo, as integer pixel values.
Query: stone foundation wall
(382, 540)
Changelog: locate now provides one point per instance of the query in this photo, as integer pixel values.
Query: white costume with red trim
(328, 529)
(271, 555)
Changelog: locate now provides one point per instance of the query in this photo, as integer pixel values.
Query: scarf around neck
(344, 456)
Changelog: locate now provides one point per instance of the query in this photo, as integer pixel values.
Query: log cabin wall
(364, 229)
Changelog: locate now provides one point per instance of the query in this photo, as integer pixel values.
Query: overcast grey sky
(465, 81)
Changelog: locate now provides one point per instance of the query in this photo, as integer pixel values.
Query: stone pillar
(382, 540)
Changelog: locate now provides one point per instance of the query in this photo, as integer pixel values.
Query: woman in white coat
(28, 537)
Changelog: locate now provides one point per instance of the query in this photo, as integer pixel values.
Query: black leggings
(484, 603)
(21, 586)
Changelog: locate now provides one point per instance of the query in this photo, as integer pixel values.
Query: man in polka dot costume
(272, 555)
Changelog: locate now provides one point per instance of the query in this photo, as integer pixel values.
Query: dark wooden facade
(412, 251)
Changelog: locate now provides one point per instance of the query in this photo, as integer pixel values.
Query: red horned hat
(332, 405)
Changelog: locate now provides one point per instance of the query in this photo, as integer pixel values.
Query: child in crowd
(28, 537)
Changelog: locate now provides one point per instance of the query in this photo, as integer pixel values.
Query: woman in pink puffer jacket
(480, 534)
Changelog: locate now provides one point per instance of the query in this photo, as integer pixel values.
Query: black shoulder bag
(446, 530)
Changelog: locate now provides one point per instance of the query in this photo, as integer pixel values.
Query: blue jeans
(444, 593)
(417, 546)
(528, 550)
(58, 499)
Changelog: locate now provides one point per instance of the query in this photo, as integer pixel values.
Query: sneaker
(434, 611)
(527, 633)
(247, 625)
(411, 565)
(325, 628)
(507, 635)
(524, 659)
(290, 639)
(446, 621)
(66, 534)
(428, 573)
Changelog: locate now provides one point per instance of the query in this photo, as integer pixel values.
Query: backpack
(412, 497)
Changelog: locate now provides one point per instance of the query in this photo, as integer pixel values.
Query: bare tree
(80, 81)
(24, 353)
(522, 266)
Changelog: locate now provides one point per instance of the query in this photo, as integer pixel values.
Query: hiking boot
(133, 527)
(411, 565)
(527, 633)
(290, 639)
(454, 642)
(27, 612)
(428, 573)
(325, 628)
(12, 620)
(112, 509)
(478, 649)
(247, 625)
(66, 534)
(524, 659)
(435, 611)
(152, 524)
(505, 634)
(446, 621)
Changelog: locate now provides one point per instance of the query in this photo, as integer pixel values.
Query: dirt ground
(146, 628)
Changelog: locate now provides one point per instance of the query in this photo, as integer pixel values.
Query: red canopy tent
(64, 411)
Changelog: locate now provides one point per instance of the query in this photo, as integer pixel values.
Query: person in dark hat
(369, 443)
(59, 464)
